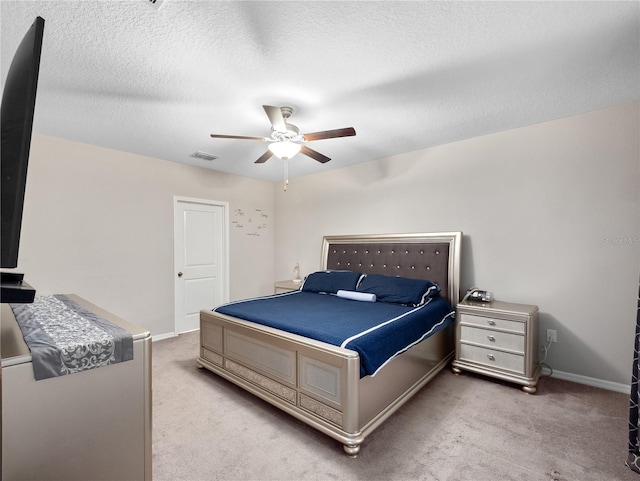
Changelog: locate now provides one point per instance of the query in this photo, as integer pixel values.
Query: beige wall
(550, 213)
(99, 223)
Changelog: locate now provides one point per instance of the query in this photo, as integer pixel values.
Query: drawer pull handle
(491, 338)
(491, 323)
(491, 357)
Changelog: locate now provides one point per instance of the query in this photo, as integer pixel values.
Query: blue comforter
(378, 331)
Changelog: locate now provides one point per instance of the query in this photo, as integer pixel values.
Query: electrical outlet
(552, 335)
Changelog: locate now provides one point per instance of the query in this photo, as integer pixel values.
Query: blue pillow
(331, 282)
(398, 290)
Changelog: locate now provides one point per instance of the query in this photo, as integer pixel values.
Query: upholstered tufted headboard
(433, 256)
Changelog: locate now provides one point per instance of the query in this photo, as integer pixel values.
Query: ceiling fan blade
(330, 134)
(314, 155)
(264, 157)
(275, 117)
(241, 137)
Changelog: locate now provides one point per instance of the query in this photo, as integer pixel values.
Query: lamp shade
(284, 150)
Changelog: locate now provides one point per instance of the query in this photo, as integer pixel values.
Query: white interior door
(201, 259)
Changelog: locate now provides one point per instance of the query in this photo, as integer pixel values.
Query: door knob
(179, 274)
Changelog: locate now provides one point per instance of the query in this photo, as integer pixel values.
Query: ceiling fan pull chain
(286, 173)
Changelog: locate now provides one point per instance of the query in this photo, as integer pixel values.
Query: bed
(323, 384)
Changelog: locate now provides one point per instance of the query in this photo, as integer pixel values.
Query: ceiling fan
(286, 138)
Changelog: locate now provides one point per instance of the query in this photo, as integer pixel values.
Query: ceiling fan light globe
(284, 150)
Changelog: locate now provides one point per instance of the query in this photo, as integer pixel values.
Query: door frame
(225, 247)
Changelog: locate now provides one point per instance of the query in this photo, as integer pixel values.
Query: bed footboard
(316, 382)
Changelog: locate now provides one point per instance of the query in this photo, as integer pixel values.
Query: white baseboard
(160, 337)
(591, 381)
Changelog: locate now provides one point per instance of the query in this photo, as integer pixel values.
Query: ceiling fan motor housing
(291, 133)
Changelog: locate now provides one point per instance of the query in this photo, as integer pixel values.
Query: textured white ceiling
(405, 75)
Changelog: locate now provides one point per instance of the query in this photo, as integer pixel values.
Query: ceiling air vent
(203, 155)
(155, 3)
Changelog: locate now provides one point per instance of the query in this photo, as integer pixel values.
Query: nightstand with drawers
(286, 286)
(498, 339)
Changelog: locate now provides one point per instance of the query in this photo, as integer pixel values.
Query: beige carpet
(457, 428)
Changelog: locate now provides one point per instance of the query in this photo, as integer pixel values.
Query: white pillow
(357, 296)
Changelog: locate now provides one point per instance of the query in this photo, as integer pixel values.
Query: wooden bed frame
(319, 383)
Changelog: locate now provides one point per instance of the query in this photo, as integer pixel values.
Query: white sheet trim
(424, 336)
(382, 324)
(282, 294)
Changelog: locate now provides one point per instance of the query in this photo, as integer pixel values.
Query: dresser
(286, 286)
(498, 339)
(92, 425)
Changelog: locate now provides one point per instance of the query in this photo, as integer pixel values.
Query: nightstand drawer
(489, 357)
(492, 339)
(515, 326)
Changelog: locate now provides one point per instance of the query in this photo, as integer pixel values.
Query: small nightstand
(498, 339)
(286, 286)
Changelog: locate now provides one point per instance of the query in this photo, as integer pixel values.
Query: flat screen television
(16, 117)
